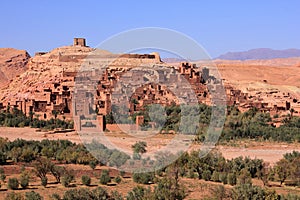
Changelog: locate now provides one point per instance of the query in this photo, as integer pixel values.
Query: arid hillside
(13, 62)
(261, 75)
(275, 71)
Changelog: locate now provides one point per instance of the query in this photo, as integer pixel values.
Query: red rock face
(13, 62)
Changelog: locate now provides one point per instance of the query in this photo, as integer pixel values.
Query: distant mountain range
(261, 53)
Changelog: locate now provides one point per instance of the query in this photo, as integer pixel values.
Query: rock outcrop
(13, 62)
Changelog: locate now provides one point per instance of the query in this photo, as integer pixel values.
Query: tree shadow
(28, 188)
(72, 185)
(51, 186)
(53, 183)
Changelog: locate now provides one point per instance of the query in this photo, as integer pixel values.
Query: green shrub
(100, 193)
(2, 158)
(168, 188)
(244, 177)
(23, 168)
(55, 196)
(33, 196)
(86, 180)
(41, 167)
(67, 179)
(136, 156)
(248, 191)
(137, 193)
(57, 172)
(105, 178)
(215, 176)
(122, 173)
(44, 181)
(118, 158)
(139, 147)
(223, 178)
(78, 194)
(13, 183)
(14, 196)
(24, 180)
(2, 174)
(191, 173)
(118, 179)
(93, 164)
(231, 179)
(290, 197)
(206, 175)
(143, 178)
(115, 195)
(159, 172)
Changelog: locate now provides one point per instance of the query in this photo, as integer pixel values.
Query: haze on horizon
(218, 26)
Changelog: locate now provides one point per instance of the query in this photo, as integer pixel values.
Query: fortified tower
(79, 42)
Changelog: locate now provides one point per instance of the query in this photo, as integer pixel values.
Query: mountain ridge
(260, 54)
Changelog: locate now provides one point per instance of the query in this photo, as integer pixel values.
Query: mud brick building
(78, 80)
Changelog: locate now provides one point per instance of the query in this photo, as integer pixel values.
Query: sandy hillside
(262, 75)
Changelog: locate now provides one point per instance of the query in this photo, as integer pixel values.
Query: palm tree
(31, 114)
(55, 113)
(292, 110)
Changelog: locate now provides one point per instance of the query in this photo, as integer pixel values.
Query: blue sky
(219, 26)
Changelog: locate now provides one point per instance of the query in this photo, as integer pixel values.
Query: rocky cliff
(13, 62)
